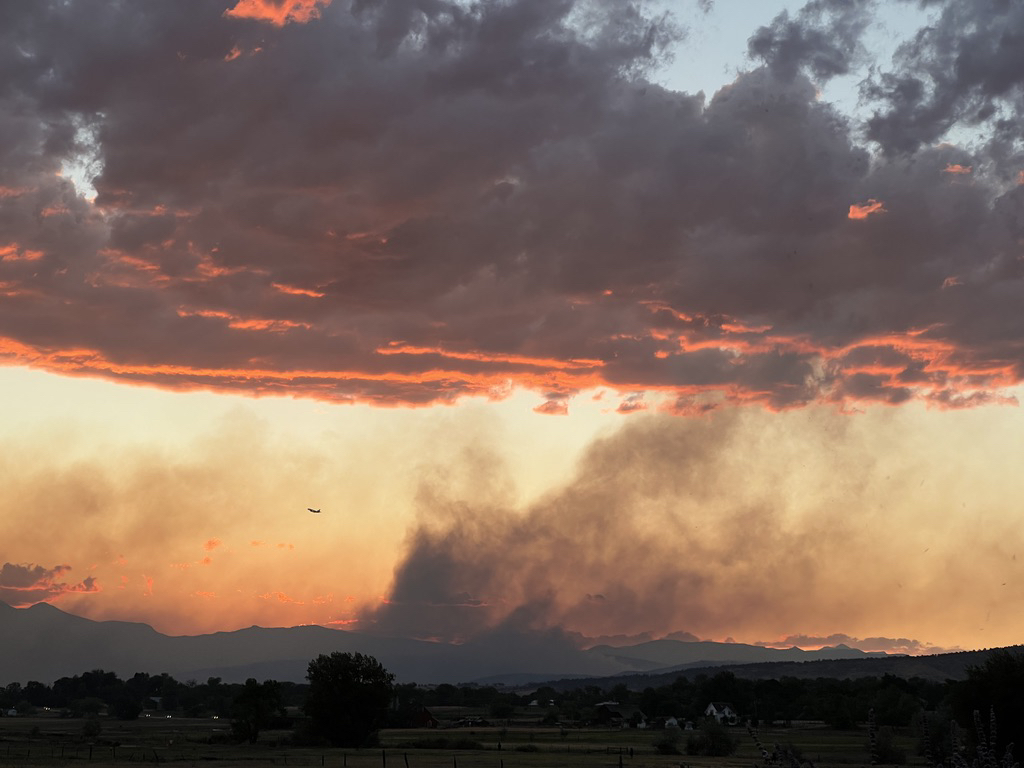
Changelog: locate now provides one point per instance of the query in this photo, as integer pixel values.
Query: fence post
(405, 756)
(383, 759)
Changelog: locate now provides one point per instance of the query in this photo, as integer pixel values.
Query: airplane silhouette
(314, 511)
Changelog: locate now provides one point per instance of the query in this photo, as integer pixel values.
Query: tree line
(348, 697)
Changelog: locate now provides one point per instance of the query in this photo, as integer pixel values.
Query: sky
(692, 318)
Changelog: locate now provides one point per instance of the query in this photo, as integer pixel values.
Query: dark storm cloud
(824, 39)
(409, 201)
(966, 71)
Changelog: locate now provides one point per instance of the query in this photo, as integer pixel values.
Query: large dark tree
(995, 688)
(255, 708)
(348, 699)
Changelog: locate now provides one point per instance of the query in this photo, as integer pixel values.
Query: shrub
(712, 740)
(91, 728)
(886, 751)
(668, 742)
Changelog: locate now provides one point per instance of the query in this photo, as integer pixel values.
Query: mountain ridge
(44, 643)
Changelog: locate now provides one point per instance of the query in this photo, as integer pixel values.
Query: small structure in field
(619, 716)
(423, 719)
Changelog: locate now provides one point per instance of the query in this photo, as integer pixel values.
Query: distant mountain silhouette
(938, 667)
(44, 643)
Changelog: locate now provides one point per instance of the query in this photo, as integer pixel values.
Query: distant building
(423, 719)
(723, 712)
(618, 716)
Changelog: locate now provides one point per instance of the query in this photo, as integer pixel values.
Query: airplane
(314, 511)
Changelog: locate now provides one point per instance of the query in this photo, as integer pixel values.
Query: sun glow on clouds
(861, 212)
(278, 12)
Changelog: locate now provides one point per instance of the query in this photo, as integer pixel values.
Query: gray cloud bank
(405, 202)
(24, 584)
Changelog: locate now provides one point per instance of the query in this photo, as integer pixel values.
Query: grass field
(50, 742)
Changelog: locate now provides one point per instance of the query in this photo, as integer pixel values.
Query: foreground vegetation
(98, 718)
(54, 741)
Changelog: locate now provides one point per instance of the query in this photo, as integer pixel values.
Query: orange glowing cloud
(553, 408)
(244, 323)
(860, 212)
(958, 169)
(632, 404)
(281, 597)
(278, 12)
(397, 348)
(211, 544)
(12, 252)
(296, 291)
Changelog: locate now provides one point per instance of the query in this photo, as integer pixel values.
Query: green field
(52, 741)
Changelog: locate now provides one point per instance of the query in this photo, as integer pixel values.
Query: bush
(712, 740)
(92, 727)
(886, 751)
(668, 742)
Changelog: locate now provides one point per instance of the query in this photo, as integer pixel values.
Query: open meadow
(53, 741)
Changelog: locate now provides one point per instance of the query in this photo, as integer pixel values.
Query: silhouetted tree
(997, 686)
(348, 698)
(125, 707)
(254, 708)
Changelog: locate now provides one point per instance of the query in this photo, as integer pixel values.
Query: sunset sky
(616, 317)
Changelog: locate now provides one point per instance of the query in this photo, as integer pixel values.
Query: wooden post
(383, 759)
(405, 756)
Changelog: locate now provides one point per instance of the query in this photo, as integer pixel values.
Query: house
(618, 716)
(723, 712)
